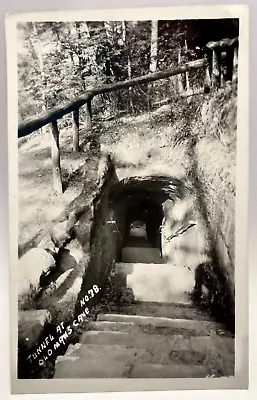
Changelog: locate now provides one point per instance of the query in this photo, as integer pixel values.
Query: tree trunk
(36, 49)
(87, 29)
(154, 47)
(127, 46)
(81, 57)
(153, 60)
(108, 29)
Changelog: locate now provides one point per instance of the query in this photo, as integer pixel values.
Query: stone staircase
(158, 333)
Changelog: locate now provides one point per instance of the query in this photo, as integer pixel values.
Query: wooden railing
(52, 116)
(215, 71)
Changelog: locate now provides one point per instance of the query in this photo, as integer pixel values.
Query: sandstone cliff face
(184, 239)
(216, 173)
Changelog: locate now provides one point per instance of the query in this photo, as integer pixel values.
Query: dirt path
(38, 204)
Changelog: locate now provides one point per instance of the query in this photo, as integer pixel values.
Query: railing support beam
(75, 115)
(235, 67)
(88, 111)
(56, 164)
(215, 69)
(29, 126)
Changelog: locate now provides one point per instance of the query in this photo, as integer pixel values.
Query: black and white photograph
(127, 156)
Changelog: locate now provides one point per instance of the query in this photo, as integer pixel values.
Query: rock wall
(216, 174)
(211, 171)
(184, 236)
(215, 183)
(105, 237)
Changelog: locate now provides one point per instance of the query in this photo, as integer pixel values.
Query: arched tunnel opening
(127, 232)
(143, 220)
(126, 225)
(138, 207)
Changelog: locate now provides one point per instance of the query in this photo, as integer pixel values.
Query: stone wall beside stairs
(216, 176)
(106, 239)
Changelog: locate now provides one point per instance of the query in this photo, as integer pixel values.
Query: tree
(60, 60)
(154, 46)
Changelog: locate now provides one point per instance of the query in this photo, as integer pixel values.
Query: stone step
(136, 355)
(191, 350)
(121, 352)
(214, 352)
(75, 367)
(158, 309)
(167, 371)
(131, 327)
(137, 241)
(117, 352)
(157, 282)
(160, 325)
(141, 255)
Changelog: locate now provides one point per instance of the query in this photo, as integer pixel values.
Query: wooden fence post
(56, 165)
(215, 69)
(207, 82)
(180, 76)
(89, 116)
(75, 115)
(235, 66)
(187, 73)
(223, 67)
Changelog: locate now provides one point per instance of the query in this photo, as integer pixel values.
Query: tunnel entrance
(126, 232)
(142, 238)
(144, 216)
(137, 236)
(138, 207)
(126, 243)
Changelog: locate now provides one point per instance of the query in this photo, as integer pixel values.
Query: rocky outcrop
(44, 270)
(32, 266)
(216, 185)
(31, 325)
(184, 240)
(216, 176)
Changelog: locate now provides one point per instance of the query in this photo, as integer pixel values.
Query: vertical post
(223, 67)
(56, 165)
(208, 76)
(75, 115)
(179, 76)
(235, 66)
(89, 116)
(215, 69)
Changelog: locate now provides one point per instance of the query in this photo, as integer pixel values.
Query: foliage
(59, 60)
